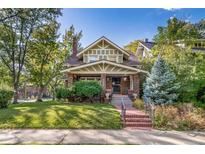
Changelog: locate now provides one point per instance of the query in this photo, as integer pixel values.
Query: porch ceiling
(103, 66)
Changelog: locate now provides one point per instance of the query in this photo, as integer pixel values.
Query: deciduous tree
(16, 28)
(46, 59)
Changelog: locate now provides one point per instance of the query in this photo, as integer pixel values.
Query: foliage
(72, 38)
(138, 104)
(179, 117)
(160, 87)
(45, 61)
(177, 29)
(54, 114)
(200, 96)
(87, 89)
(132, 46)
(6, 94)
(201, 28)
(64, 93)
(188, 66)
(5, 76)
(16, 28)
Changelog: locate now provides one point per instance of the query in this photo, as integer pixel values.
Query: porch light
(125, 78)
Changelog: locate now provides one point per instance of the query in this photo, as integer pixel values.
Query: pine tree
(160, 87)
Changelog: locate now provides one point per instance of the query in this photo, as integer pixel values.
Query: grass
(53, 114)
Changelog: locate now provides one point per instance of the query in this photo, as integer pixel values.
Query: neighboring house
(196, 45)
(144, 49)
(116, 69)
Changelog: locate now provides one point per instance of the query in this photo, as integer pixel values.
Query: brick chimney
(75, 46)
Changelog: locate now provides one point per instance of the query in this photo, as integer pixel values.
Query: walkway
(116, 101)
(62, 136)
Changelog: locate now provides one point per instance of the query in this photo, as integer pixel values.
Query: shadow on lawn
(44, 115)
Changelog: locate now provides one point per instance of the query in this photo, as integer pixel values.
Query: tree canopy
(177, 29)
(16, 28)
(45, 60)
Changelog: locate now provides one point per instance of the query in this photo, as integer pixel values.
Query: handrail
(150, 109)
(123, 111)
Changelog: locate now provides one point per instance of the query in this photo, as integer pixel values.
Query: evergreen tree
(160, 87)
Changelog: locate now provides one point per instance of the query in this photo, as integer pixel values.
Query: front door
(116, 85)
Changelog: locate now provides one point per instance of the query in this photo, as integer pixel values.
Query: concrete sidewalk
(62, 136)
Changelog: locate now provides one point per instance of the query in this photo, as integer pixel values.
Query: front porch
(111, 83)
(115, 78)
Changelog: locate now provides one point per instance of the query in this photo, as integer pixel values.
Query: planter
(107, 95)
(135, 95)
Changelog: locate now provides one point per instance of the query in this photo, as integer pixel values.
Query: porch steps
(137, 121)
(134, 119)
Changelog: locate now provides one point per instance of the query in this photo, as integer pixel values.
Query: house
(197, 45)
(144, 48)
(117, 70)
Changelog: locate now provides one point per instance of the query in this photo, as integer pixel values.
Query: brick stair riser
(139, 128)
(138, 125)
(138, 120)
(136, 116)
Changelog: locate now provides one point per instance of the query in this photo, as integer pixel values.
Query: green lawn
(57, 115)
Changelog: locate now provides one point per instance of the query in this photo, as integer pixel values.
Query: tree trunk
(15, 101)
(40, 94)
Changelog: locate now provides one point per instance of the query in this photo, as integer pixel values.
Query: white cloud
(171, 9)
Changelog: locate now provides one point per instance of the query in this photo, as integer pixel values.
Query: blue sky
(122, 25)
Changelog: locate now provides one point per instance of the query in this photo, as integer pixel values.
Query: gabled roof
(147, 45)
(103, 62)
(97, 41)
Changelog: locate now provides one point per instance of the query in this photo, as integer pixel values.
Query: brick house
(116, 69)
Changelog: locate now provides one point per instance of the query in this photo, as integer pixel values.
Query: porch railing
(123, 112)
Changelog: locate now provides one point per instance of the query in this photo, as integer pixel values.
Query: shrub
(62, 93)
(179, 117)
(139, 104)
(200, 96)
(5, 97)
(87, 89)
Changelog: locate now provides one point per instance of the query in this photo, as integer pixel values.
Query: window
(103, 52)
(92, 58)
(120, 59)
(112, 58)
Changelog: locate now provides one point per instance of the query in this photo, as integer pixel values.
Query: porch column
(103, 81)
(136, 84)
(70, 80)
(131, 82)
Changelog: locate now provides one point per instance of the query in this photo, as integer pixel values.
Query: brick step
(138, 128)
(128, 124)
(138, 120)
(136, 116)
